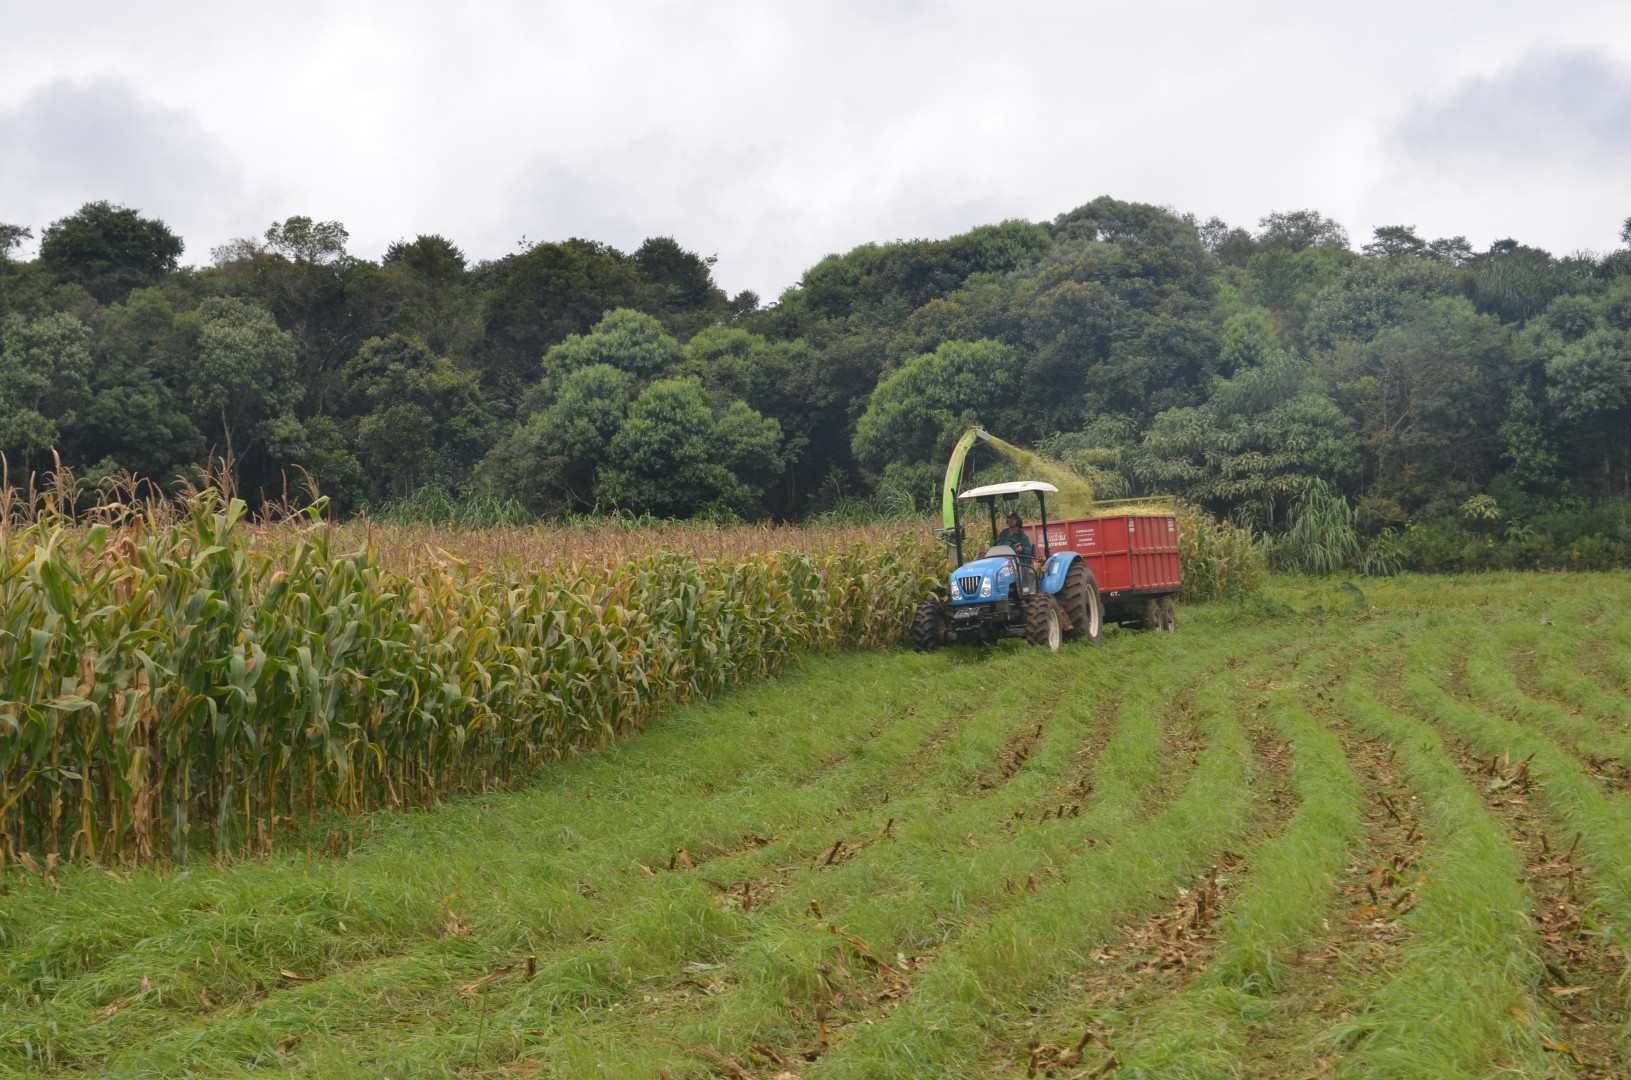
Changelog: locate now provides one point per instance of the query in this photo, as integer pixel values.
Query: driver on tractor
(1014, 536)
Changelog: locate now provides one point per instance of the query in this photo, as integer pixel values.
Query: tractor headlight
(956, 593)
(985, 587)
(1005, 571)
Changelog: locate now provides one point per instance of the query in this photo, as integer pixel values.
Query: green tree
(1299, 230)
(1248, 340)
(1589, 386)
(12, 236)
(109, 250)
(1262, 437)
(327, 300)
(1393, 241)
(1514, 282)
(776, 380)
(44, 367)
(547, 293)
(428, 256)
(318, 450)
(690, 298)
(429, 275)
(552, 462)
(1451, 250)
(625, 339)
(674, 456)
(1230, 246)
(1371, 294)
(1444, 375)
(920, 410)
(301, 240)
(1136, 225)
(1529, 445)
(1591, 376)
(420, 416)
(1290, 283)
(244, 375)
(137, 417)
(24, 286)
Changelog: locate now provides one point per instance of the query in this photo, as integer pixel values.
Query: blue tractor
(1002, 594)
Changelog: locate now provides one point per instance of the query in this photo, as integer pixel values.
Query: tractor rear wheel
(1079, 596)
(929, 625)
(1042, 624)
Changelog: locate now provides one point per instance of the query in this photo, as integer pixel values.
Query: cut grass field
(1334, 833)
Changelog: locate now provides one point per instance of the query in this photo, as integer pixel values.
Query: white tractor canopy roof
(1011, 487)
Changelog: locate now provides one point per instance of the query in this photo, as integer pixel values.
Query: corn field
(1220, 559)
(184, 682)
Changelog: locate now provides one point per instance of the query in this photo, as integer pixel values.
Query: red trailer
(1133, 555)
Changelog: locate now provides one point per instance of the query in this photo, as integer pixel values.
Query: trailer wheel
(929, 625)
(1042, 625)
(1150, 617)
(1079, 596)
(1169, 615)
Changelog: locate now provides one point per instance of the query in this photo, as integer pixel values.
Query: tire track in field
(1601, 742)
(1615, 659)
(850, 972)
(1583, 1000)
(1262, 1020)
(1469, 907)
(1604, 756)
(1584, 993)
(581, 888)
(993, 889)
(1445, 1008)
(1361, 935)
(1112, 897)
(569, 964)
(1566, 687)
(1163, 967)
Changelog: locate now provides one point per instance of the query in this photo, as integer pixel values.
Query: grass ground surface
(1377, 830)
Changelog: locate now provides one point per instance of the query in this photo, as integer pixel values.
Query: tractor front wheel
(1042, 624)
(929, 625)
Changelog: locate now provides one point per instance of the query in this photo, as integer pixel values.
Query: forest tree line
(1429, 381)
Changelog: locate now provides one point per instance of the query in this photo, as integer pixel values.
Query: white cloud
(72, 142)
(771, 132)
(1536, 150)
(1565, 110)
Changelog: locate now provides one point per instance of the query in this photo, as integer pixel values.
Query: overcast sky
(771, 134)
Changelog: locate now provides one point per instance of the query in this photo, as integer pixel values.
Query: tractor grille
(969, 585)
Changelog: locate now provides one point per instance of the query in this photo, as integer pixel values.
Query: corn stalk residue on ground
(1376, 831)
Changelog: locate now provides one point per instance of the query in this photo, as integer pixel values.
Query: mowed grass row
(375, 926)
(638, 921)
(599, 973)
(683, 899)
(704, 777)
(1469, 994)
(1212, 1023)
(959, 895)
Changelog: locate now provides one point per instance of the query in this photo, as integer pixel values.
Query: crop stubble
(970, 864)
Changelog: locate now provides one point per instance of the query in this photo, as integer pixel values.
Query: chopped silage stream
(1270, 844)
